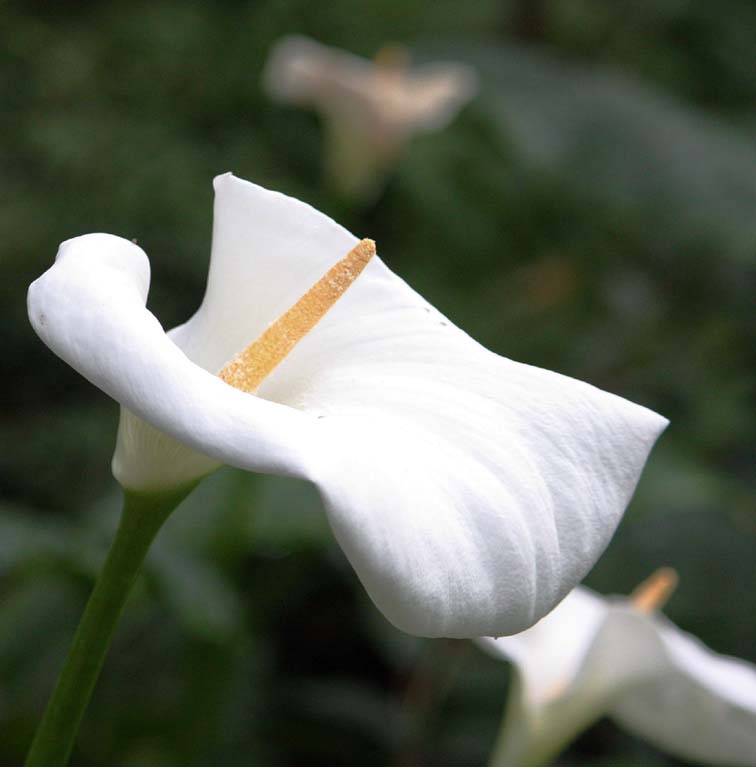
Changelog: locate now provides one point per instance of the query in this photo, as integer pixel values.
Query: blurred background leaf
(624, 143)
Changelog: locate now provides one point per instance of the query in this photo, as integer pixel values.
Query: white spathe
(383, 95)
(370, 109)
(470, 492)
(594, 657)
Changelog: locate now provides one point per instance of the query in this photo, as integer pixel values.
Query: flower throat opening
(248, 369)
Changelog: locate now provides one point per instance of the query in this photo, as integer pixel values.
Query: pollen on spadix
(248, 369)
(655, 591)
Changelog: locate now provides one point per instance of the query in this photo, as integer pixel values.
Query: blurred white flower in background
(594, 656)
(370, 109)
(469, 492)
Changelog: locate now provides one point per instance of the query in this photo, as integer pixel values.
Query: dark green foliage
(593, 211)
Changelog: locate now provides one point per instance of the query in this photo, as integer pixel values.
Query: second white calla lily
(370, 109)
(469, 492)
(593, 657)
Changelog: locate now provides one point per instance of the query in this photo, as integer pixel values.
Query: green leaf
(197, 592)
(618, 139)
(28, 539)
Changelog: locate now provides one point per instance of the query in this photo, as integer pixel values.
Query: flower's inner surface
(248, 369)
(655, 591)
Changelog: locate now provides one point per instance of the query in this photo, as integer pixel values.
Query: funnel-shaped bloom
(370, 109)
(594, 657)
(469, 492)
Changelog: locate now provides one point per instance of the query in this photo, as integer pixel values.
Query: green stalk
(143, 516)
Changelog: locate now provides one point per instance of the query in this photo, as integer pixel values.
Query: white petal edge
(699, 705)
(89, 308)
(298, 67)
(550, 655)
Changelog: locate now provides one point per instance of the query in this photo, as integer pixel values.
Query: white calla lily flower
(593, 657)
(469, 492)
(370, 109)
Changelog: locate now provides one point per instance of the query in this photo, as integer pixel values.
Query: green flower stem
(143, 516)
